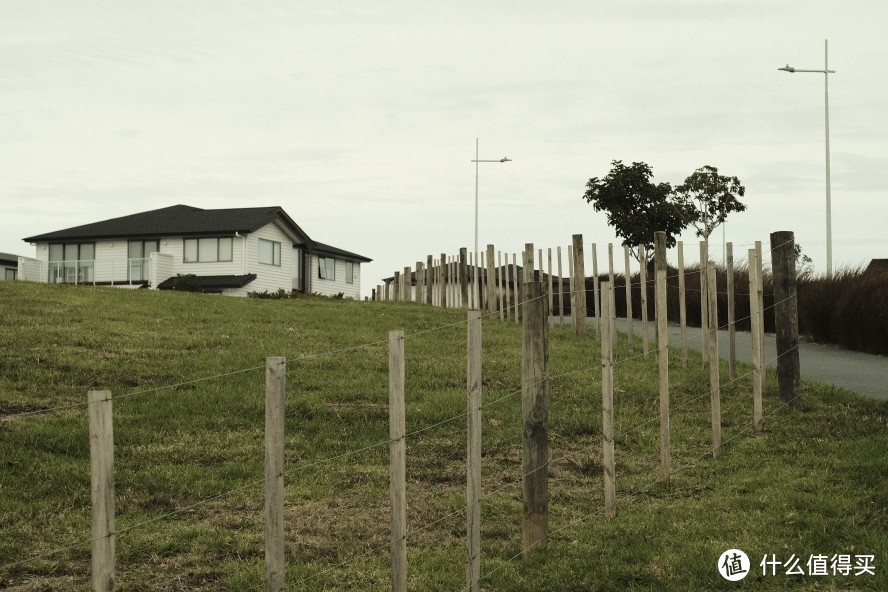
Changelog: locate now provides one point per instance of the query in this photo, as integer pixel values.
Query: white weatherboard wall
(338, 284)
(270, 278)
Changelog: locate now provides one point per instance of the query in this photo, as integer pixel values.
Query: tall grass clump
(849, 309)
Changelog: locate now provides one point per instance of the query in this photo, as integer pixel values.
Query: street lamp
(826, 72)
(476, 161)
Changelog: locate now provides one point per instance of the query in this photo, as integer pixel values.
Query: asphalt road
(863, 373)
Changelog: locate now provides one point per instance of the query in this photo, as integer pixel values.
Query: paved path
(856, 371)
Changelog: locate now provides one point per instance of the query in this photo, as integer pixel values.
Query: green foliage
(186, 283)
(635, 206)
(706, 198)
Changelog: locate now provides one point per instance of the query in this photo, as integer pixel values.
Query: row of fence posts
(535, 456)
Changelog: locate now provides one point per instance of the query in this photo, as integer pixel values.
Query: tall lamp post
(826, 72)
(476, 161)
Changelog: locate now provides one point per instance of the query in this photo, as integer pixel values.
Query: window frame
(196, 242)
(349, 272)
(275, 252)
(324, 268)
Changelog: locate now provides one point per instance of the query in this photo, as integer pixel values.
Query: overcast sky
(360, 118)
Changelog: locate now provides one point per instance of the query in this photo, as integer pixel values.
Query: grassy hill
(187, 374)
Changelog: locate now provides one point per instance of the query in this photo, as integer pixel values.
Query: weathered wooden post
(406, 285)
(682, 305)
(732, 330)
(786, 316)
(550, 284)
(662, 352)
(430, 279)
(704, 301)
(607, 401)
(630, 332)
(755, 327)
(275, 381)
(101, 463)
(491, 281)
(760, 294)
(397, 461)
(560, 290)
(396, 287)
(579, 301)
(642, 262)
(612, 319)
(516, 283)
(596, 288)
(535, 412)
(502, 301)
(712, 346)
(464, 278)
(473, 454)
(445, 279)
(419, 294)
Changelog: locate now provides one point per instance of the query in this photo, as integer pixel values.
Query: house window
(349, 272)
(72, 262)
(10, 274)
(269, 252)
(208, 250)
(326, 268)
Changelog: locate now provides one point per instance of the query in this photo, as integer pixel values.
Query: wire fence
(688, 402)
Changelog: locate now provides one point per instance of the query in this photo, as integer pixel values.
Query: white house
(230, 251)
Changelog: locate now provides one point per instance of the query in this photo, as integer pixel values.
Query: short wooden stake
(607, 402)
(101, 463)
(397, 461)
(714, 387)
(535, 412)
(473, 454)
(275, 380)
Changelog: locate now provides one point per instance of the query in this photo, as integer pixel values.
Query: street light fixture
(476, 161)
(826, 72)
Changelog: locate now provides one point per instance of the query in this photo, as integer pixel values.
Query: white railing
(91, 271)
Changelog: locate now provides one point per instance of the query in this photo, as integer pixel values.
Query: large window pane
(208, 250)
(190, 250)
(56, 252)
(134, 250)
(225, 249)
(71, 252)
(269, 252)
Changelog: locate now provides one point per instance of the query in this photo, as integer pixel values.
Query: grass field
(187, 374)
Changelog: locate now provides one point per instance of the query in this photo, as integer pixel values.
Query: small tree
(636, 207)
(709, 198)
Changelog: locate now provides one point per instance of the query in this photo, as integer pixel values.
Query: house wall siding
(338, 284)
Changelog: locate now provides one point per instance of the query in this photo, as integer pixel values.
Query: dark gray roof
(182, 220)
(178, 220)
(9, 258)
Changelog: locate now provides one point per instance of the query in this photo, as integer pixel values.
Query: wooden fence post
(682, 306)
(491, 281)
(560, 289)
(101, 463)
(430, 279)
(580, 282)
(535, 412)
(445, 279)
(550, 284)
(501, 289)
(630, 332)
(760, 294)
(786, 316)
(464, 278)
(407, 284)
(662, 353)
(596, 293)
(571, 286)
(610, 278)
(275, 381)
(473, 454)
(704, 300)
(732, 329)
(755, 328)
(714, 387)
(607, 402)
(396, 287)
(642, 262)
(397, 461)
(516, 282)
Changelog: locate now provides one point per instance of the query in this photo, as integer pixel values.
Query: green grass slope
(187, 375)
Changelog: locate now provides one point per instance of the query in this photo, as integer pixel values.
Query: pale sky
(360, 118)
